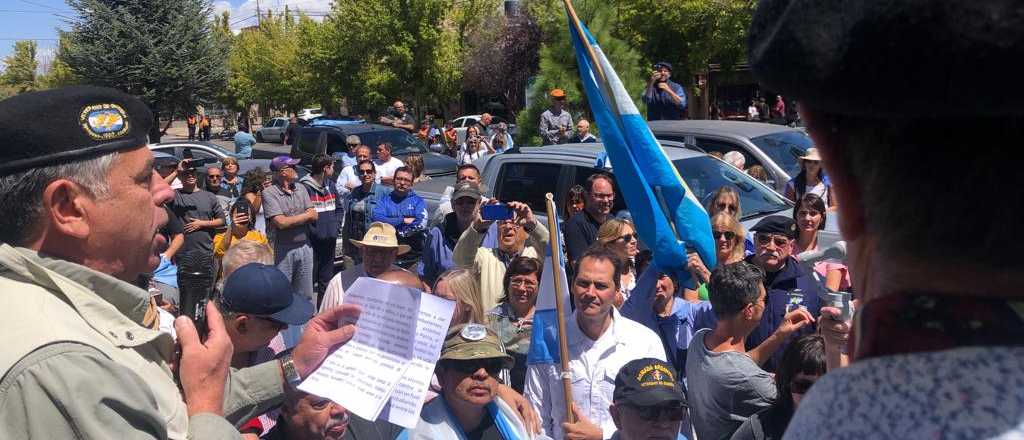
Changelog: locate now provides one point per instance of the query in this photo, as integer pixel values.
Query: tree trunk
(166, 127)
(154, 130)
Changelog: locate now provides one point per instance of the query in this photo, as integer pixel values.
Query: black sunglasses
(659, 413)
(362, 172)
(729, 235)
(627, 238)
(492, 366)
(778, 239)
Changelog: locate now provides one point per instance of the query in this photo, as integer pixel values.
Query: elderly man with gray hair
(735, 158)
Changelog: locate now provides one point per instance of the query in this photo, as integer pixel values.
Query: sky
(40, 19)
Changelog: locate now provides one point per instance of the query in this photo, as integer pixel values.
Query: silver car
(272, 131)
(774, 147)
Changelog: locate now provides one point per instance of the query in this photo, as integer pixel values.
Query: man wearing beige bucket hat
(379, 249)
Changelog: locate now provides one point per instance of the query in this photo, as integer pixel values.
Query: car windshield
(704, 175)
(785, 148)
(402, 143)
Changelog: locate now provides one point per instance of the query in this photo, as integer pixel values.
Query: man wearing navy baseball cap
(665, 99)
(258, 302)
(648, 402)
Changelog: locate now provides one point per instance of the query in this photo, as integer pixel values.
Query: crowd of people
(141, 301)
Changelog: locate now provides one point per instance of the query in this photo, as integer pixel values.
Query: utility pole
(259, 16)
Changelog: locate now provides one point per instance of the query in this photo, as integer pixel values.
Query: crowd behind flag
(668, 217)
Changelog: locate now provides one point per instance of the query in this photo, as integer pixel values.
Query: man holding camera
(81, 206)
(555, 122)
(665, 99)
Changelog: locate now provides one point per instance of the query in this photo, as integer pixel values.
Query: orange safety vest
(191, 120)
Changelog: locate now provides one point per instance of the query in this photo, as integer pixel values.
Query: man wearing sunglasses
(774, 237)
(469, 407)
(648, 402)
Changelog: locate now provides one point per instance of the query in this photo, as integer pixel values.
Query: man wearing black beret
(916, 110)
(80, 211)
(786, 281)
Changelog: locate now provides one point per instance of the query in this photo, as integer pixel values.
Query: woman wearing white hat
(811, 180)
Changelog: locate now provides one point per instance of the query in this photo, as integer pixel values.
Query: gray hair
(244, 252)
(735, 158)
(21, 193)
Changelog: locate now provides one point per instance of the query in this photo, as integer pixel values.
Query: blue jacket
(792, 276)
(243, 145)
(439, 244)
(675, 330)
(660, 104)
(392, 209)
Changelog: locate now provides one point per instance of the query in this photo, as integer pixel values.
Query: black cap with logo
(647, 382)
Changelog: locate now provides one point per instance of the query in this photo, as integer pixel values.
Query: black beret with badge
(776, 224)
(886, 58)
(69, 124)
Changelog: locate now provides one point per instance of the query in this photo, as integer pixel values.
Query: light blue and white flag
(655, 193)
(544, 337)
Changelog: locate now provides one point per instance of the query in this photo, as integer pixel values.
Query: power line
(33, 39)
(43, 6)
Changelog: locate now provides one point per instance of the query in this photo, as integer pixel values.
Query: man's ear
(65, 206)
(241, 323)
(845, 189)
(748, 312)
(616, 417)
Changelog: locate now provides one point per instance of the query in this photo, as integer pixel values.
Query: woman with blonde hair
(728, 234)
(463, 287)
(620, 236)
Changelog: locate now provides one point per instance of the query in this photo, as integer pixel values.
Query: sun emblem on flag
(104, 121)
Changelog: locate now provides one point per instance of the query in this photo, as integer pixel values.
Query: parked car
(330, 138)
(309, 113)
(774, 147)
(272, 131)
(461, 123)
(530, 174)
(204, 152)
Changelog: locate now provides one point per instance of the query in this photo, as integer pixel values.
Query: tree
(59, 74)
(411, 49)
(502, 57)
(558, 68)
(163, 51)
(20, 71)
(690, 34)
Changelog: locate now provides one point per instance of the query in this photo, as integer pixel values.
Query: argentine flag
(655, 193)
(544, 337)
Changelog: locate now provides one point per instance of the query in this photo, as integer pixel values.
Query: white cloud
(244, 15)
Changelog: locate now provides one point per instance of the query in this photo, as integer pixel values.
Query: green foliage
(59, 73)
(410, 49)
(19, 73)
(690, 34)
(267, 66)
(558, 68)
(164, 51)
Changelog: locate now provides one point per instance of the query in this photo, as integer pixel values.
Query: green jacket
(77, 363)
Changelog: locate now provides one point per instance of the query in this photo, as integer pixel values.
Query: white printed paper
(392, 355)
(407, 400)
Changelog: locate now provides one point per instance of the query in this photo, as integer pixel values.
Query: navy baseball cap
(262, 290)
(664, 64)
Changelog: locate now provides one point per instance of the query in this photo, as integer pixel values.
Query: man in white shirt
(349, 177)
(600, 342)
(379, 248)
(386, 164)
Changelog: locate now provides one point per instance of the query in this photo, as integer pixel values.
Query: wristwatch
(291, 375)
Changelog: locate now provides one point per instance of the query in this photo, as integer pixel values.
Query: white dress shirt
(334, 294)
(387, 169)
(594, 365)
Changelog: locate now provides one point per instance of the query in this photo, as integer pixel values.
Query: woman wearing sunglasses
(620, 236)
(803, 363)
(729, 248)
(810, 215)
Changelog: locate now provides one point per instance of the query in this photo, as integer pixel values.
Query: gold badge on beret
(104, 121)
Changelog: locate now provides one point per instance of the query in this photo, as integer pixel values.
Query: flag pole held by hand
(563, 345)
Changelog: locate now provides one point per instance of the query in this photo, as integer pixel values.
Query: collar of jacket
(309, 181)
(114, 308)
(575, 334)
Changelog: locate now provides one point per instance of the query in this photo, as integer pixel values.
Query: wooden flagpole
(563, 344)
